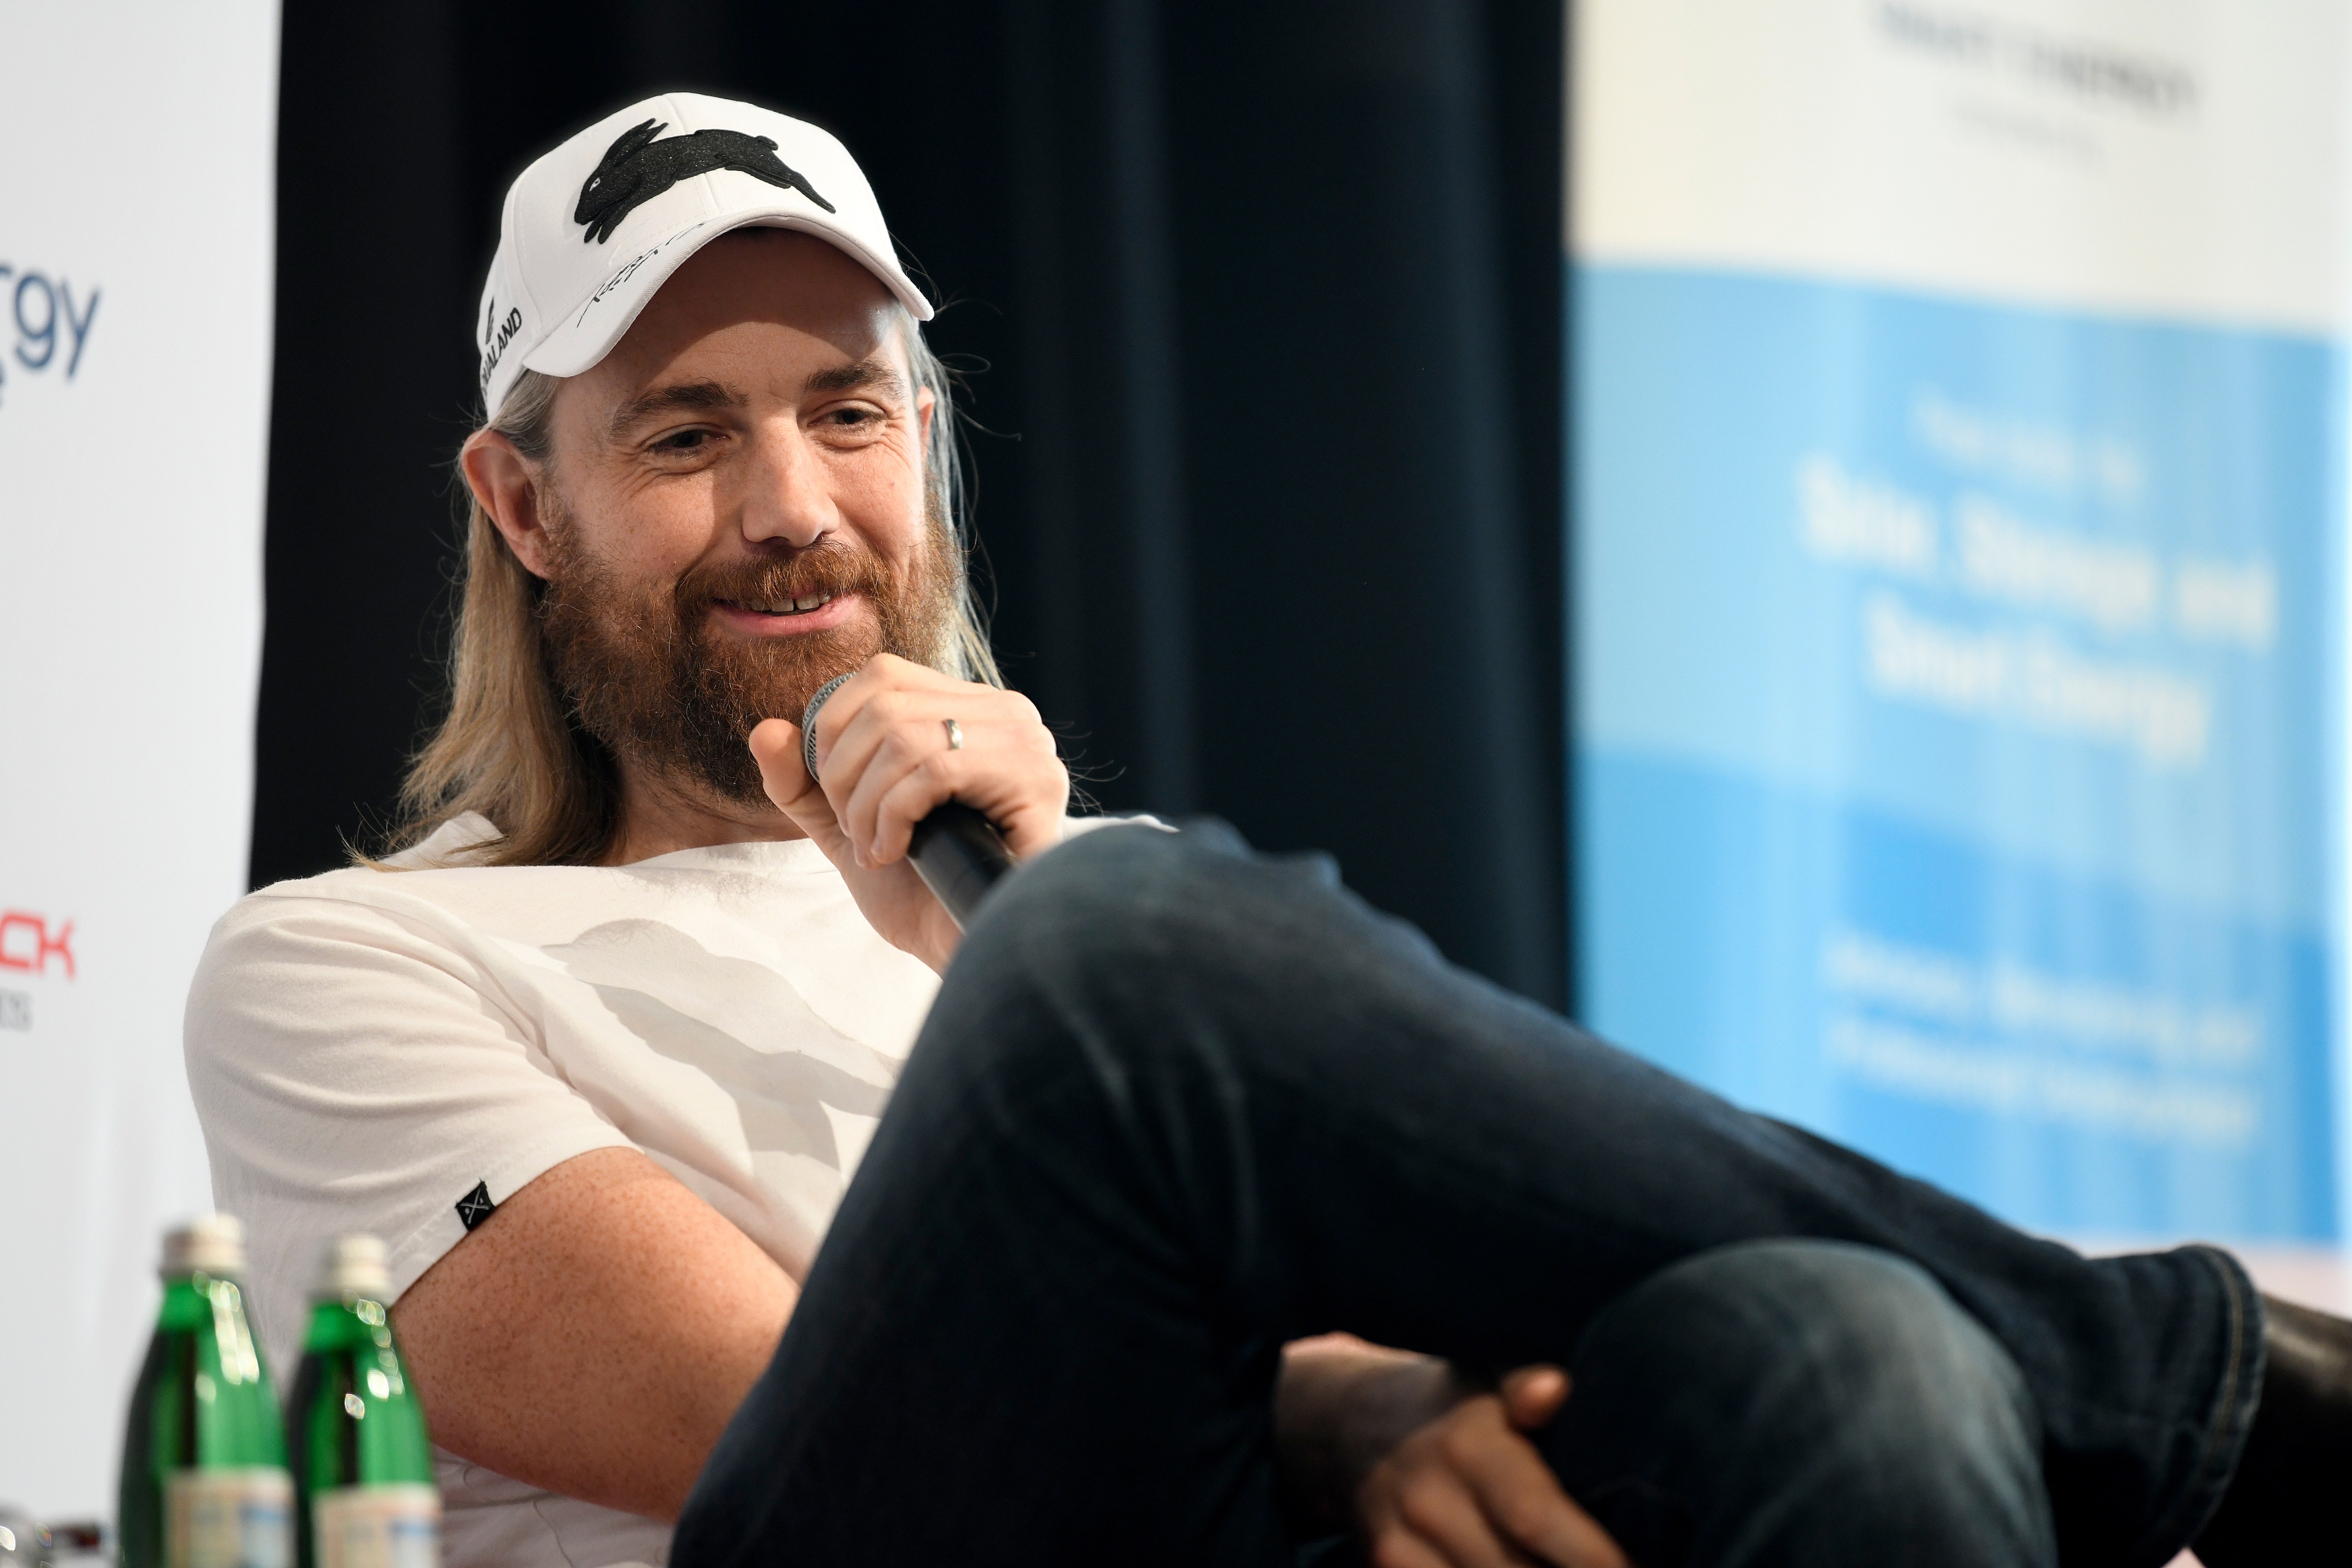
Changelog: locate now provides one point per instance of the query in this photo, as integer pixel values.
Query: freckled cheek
(658, 530)
(888, 512)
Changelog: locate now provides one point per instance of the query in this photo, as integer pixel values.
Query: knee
(1834, 1385)
(1120, 902)
(1065, 941)
(1094, 893)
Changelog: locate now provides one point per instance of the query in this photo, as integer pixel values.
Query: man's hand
(1430, 1472)
(1468, 1490)
(884, 761)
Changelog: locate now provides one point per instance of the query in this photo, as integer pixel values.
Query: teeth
(799, 606)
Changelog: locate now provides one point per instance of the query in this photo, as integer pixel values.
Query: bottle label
(377, 1527)
(236, 1518)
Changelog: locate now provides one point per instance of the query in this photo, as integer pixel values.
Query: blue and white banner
(136, 228)
(1958, 574)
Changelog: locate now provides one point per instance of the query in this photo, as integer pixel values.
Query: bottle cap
(354, 1266)
(213, 1244)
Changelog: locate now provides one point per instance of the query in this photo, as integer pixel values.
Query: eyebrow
(864, 372)
(868, 372)
(670, 399)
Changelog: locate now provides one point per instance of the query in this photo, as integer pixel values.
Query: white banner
(1959, 569)
(2166, 158)
(136, 228)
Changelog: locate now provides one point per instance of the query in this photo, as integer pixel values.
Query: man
(600, 1048)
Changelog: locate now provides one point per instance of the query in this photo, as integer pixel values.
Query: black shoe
(2283, 1509)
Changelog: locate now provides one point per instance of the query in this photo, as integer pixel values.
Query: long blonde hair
(509, 747)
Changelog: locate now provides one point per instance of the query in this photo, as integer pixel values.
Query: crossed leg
(1178, 1104)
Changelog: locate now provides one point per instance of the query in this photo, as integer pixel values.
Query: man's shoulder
(429, 915)
(450, 845)
(432, 890)
(439, 891)
(455, 843)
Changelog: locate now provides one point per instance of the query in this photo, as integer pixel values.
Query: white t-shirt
(382, 1051)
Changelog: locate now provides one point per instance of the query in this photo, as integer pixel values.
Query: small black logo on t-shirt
(637, 169)
(476, 1206)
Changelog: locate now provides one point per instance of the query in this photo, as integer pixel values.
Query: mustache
(827, 567)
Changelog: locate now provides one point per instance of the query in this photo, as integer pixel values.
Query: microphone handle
(958, 852)
(959, 856)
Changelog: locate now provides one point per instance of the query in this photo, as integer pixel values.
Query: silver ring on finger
(955, 734)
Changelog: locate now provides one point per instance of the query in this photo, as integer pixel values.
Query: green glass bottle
(205, 1483)
(362, 1465)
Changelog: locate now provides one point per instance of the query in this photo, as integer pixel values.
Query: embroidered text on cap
(636, 168)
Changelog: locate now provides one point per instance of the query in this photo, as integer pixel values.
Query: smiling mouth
(781, 608)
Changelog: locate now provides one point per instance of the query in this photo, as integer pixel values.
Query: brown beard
(648, 671)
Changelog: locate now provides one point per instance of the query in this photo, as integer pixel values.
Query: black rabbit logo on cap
(636, 168)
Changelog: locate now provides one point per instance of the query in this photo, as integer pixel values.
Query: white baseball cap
(592, 229)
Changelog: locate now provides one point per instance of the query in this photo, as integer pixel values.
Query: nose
(786, 496)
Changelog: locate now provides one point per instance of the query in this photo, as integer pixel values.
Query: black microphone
(958, 852)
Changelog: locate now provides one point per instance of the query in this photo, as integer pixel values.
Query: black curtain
(1261, 309)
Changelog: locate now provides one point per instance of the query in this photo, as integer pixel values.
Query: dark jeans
(1178, 1104)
